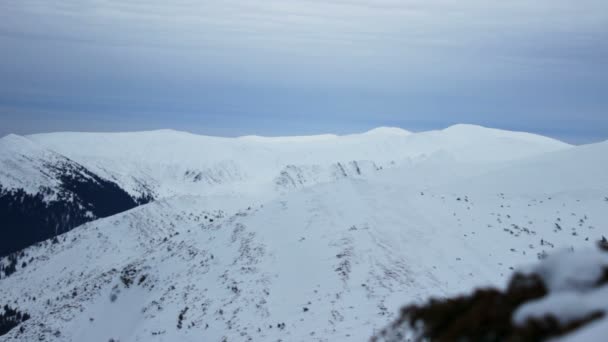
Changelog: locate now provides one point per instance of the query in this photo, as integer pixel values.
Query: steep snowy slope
(43, 194)
(326, 262)
(166, 163)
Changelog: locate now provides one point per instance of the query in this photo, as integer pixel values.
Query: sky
(285, 67)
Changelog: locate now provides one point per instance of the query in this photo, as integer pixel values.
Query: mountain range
(172, 236)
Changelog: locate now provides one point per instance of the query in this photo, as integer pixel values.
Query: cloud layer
(269, 67)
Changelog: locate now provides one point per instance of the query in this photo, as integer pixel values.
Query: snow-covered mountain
(317, 238)
(43, 194)
(167, 163)
(61, 180)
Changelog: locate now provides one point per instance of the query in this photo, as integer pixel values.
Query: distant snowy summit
(388, 131)
(154, 163)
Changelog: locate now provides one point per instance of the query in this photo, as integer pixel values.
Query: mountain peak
(465, 127)
(16, 143)
(384, 130)
(13, 138)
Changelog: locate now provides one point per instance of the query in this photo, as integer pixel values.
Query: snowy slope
(167, 163)
(331, 260)
(293, 238)
(25, 165)
(43, 194)
(59, 177)
(581, 169)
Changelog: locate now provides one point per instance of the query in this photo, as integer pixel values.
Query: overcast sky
(285, 67)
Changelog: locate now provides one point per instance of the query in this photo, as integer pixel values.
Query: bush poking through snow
(559, 297)
(10, 318)
(181, 317)
(9, 266)
(127, 276)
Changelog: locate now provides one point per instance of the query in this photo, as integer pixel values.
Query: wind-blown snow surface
(299, 239)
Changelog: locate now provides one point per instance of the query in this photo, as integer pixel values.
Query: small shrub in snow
(10, 318)
(181, 316)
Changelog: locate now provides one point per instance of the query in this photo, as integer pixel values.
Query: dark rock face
(81, 197)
